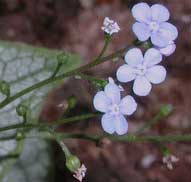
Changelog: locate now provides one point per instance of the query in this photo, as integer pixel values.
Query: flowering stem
(164, 112)
(56, 70)
(76, 71)
(124, 138)
(64, 147)
(97, 81)
(128, 138)
(56, 123)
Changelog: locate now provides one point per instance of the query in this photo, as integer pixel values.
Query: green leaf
(22, 66)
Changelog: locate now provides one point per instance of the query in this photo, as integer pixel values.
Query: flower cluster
(144, 70)
(152, 23)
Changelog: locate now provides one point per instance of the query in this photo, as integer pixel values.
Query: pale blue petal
(168, 50)
(141, 86)
(141, 12)
(168, 31)
(134, 57)
(101, 101)
(156, 74)
(128, 105)
(142, 31)
(121, 124)
(158, 39)
(125, 73)
(152, 57)
(107, 122)
(113, 92)
(159, 13)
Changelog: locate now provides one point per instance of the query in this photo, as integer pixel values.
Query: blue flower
(109, 102)
(144, 70)
(152, 23)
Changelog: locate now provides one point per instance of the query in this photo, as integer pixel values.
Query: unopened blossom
(168, 50)
(169, 160)
(80, 173)
(152, 23)
(114, 108)
(142, 69)
(110, 26)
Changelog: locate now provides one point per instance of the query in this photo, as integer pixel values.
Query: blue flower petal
(107, 122)
(168, 31)
(159, 40)
(168, 50)
(142, 31)
(113, 92)
(159, 13)
(121, 124)
(125, 73)
(141, 86)
(141, 12)
(152, 57)
(134, 57)
(101, 101)
(128, 105)
(156, 74)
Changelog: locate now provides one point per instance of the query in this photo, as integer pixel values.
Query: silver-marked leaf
(23, 66)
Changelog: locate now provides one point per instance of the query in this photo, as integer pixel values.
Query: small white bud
(110, 26)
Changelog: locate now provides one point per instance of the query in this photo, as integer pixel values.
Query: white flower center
(154, 26)
(141, 69)
(114, 109)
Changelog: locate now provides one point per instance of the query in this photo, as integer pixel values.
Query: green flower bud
(166, 110)
(72, 163)
(4, 88)
(165, 150)
(62, 58)
(22, 109)
(100, 83)
(72, 102)
(20, 135)
(147, 44)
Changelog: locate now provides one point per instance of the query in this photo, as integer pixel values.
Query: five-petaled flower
(109, 102)
(110, 26)
(152, 23)
(144, 70)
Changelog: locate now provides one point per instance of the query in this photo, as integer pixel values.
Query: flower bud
(166, 110)
(100, 83)
(4, 88)
(20, 135)
(62, 58)
(147, 44)
(22, 109)
(72, 163)
(72, 102)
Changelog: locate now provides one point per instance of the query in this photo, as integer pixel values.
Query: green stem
(90, 78)
(149, 124)
(164, 112)
(76, 71)
(64, 147)
(56, 70)
(124, 138)
(129, 138)
(56, 123)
